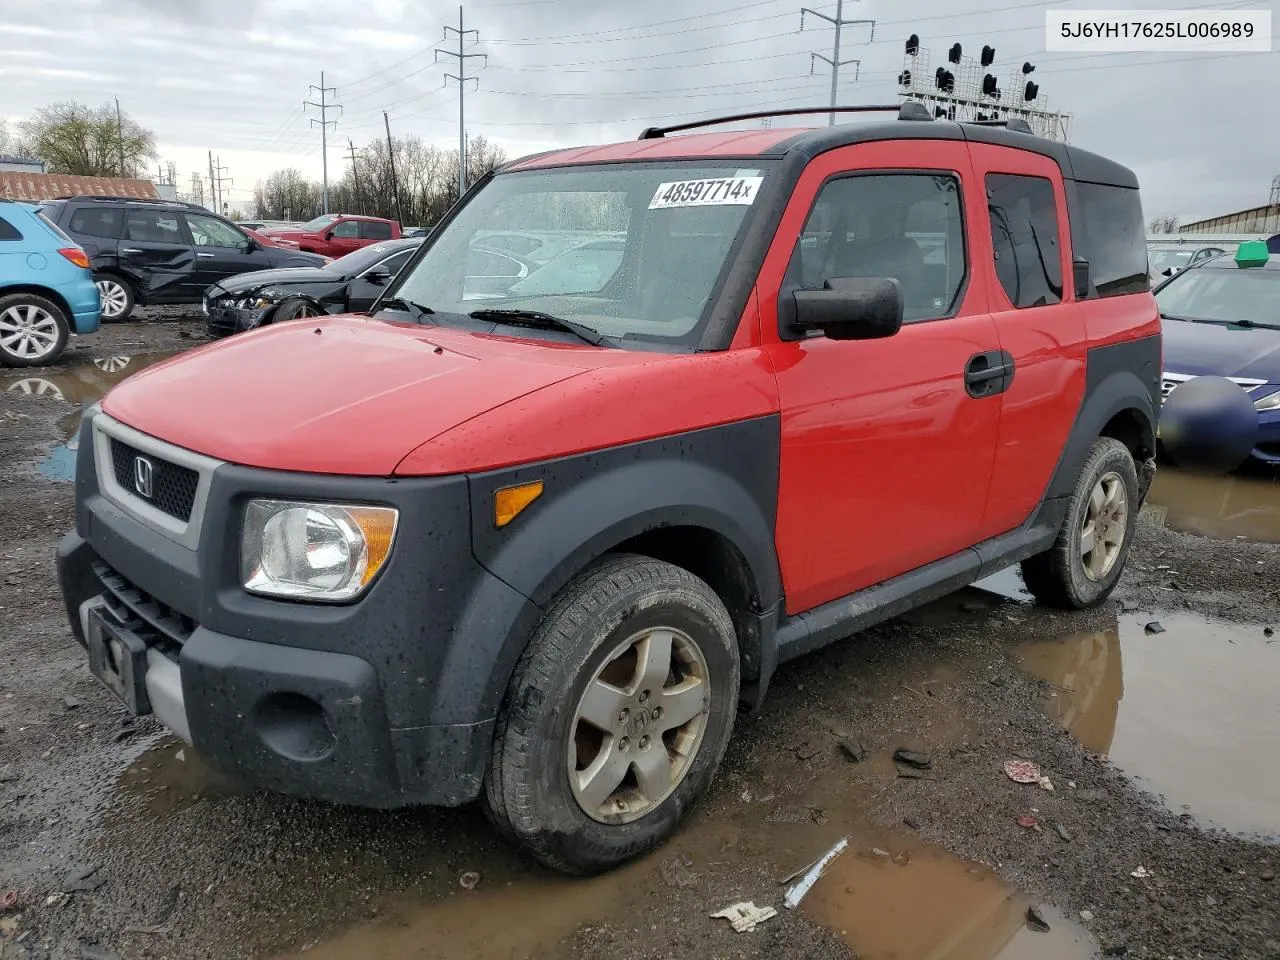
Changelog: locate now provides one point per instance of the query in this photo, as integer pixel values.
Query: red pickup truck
(336, 234)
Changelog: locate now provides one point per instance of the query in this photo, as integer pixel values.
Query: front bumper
(385, 702)
(223, 321)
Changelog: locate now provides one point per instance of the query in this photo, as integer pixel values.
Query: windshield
(319, 223)
(361, 259)
(1227, 295)
(660, 236)
(1162, 260)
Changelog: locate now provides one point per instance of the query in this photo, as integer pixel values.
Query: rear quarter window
(7, 230)
(1112, 237)
(94, 222)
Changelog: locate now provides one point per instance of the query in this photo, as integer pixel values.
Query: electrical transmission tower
(963, 90)
(462, 78)
(216, 180)
(197, 189)
(1275, 192)
(839, 22)
(324, 107)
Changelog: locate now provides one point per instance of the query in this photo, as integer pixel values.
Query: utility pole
(324, 122)
(838, 21)
(462, 78)
(216, 181)
(391, 159)
(355, 178)
(120, 138)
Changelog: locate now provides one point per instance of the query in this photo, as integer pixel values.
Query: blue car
(46, 288)
(1221, 318)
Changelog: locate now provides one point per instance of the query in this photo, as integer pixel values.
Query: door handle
(988, 374)
(205, 256)
(129, 250)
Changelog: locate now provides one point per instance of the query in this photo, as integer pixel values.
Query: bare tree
(1163, 225)
(89, 142)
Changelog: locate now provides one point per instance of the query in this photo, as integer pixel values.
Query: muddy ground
(183, 864)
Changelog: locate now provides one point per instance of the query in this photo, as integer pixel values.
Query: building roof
(39, 187)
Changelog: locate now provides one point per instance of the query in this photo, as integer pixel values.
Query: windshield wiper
(540, 320)
(416, 310)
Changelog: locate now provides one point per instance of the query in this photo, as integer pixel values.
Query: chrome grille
(1171, 380)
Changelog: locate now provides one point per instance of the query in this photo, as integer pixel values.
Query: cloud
(231, 75)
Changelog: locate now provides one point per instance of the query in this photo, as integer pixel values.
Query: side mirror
(1167, 272)
(251, 245)
(378, 275)
(328, 234)
(1080, 269)
(851, 308)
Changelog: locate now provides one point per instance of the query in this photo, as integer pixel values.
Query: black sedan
(349, 284)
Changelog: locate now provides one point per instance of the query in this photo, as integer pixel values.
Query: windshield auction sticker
(740, 191)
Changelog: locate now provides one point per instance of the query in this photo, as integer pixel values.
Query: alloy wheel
(638, 725)
(28, 332)
(1106, 521)
(114, 298)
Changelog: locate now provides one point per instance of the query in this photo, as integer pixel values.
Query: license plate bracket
(118, 658)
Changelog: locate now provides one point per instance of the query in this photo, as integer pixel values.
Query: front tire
(118, 298)
(294, 309)
(616, 718)
(33, 330)
(1083, 566)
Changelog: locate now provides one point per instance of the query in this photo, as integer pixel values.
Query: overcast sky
(230, 76)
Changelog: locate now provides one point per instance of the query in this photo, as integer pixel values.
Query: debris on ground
(469, 880)
(745, 916)
(1028, 822)
(912, 773)
(913, 758)
(676, 872)
(853, 750)
(55, 900)
(71, 703)
(1063, 833)
(903, 858)
(912, 823)
(1141, 873)
(1154, 627)
(1086, 916)
(882, 854)
(1036, 920)
(807, 751)
(8, 899)
(83, 880)
(796, 814)
(1045, 784)
(1022, 771)
(797, 892)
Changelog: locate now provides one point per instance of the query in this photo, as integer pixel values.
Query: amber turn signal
(509, 501)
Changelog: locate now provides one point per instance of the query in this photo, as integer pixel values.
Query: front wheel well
(714, 559)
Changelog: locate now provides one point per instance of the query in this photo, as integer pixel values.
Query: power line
(324, 122)
(462, 78)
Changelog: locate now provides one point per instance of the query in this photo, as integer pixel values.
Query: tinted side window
(906, 226)
(153, 226)
(373, 230)
(8, 231)
(347, 228)
(393, 263)
(93, 222)
(1114, 239)
(1024, 233)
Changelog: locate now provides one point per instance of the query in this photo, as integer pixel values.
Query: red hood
(287, 233)
(343, 395)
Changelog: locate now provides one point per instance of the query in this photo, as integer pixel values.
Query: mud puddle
(1243, 504)
(81, 385)
(1190, 713)
(889, 895)
(169, 777)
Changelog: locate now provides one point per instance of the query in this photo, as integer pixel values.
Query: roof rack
(1013, 123)
(909, 110)
(172, 203)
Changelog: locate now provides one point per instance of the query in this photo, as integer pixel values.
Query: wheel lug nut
(644, 696)
(644, 743)
(624, 716)
(657, 713)
(624, 743)
(620, 804)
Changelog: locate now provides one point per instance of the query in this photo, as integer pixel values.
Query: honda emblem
(143, 472)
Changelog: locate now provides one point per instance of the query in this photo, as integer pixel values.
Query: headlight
(1271, 402)
(253, 303)
(313, 551)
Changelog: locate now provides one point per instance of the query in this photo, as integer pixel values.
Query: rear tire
(1085, 562)
(118, 297)
(33, 330)
(647, 650)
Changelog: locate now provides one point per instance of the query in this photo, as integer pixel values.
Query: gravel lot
(186, 865)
